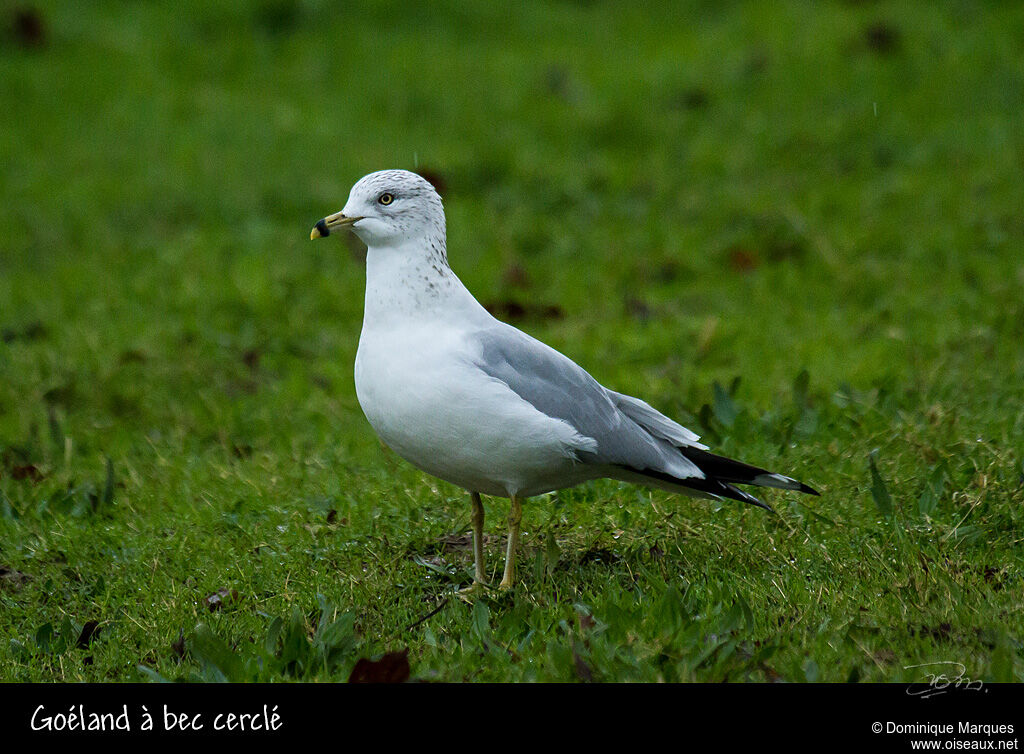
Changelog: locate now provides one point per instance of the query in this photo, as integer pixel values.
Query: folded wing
(634, 442)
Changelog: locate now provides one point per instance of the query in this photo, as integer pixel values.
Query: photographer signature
(939, 682)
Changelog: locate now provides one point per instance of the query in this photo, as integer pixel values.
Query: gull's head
(388, 208)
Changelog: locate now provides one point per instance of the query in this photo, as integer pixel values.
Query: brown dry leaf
(882, 38)
(434, 178)
(743, 260)
(390, 668)
(583, 671)
(693, 98)
(33, 330)
(770, 674)
(27, 471)
(461, 542)
(638, 308)
(220, 598)
(11, 579)
(29, 29)
(251, 358)
(89, 632)
(995, 576)
(507, 309)
(599, 555)
(516, 275)
(884, 655)
(178, 646)
(512, 309)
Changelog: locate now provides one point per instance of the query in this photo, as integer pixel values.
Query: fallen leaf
(770, 674)
(586, 621)
(251, 358)
(392, 667)
(434, 178)
(220, 598)
(515, 275)
(178, 646)
(513, 309)
(879, 490)
(26, 471)
(33, 330)
(882, 38)
(509, 308)
(994, 576)
(583, 671)
(693, 98)
(11, 579)
(743, 260)
(884, 655)
(133, 356)
(28, 28)
(457, 542)
(89, 632)
(637, 308)
(598, 555)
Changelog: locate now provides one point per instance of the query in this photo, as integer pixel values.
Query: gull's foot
(474, 591)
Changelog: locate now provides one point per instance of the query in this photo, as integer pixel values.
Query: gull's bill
(325, 225)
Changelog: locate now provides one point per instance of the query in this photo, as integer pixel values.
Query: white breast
(422, 395)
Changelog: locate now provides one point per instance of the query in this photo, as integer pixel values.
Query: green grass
(794, 226)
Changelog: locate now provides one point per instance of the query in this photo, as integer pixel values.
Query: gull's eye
(386, 199)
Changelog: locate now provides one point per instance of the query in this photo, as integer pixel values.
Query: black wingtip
(743, 496)
(714, 488)
(757, 502)
(729, 470)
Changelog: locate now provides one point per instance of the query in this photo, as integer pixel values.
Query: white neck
(408, 281)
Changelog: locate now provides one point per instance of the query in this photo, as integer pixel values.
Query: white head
(389, 208)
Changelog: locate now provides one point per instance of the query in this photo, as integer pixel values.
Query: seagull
(478, 403)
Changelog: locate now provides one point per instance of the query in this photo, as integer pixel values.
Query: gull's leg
(479, 577)
(515, 515)
(478, 538)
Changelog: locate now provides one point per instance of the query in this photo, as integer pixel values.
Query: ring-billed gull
(478, 403)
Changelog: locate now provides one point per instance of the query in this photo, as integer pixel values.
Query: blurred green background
(821, 199)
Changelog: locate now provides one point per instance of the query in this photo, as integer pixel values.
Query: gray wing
(629, 433)
(655, 422)
(634, 441)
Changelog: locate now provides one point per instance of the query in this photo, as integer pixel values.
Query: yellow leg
(479, 585)
(515, 515)
(478, 538)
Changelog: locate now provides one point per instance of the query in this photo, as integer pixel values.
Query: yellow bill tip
(319, 231)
